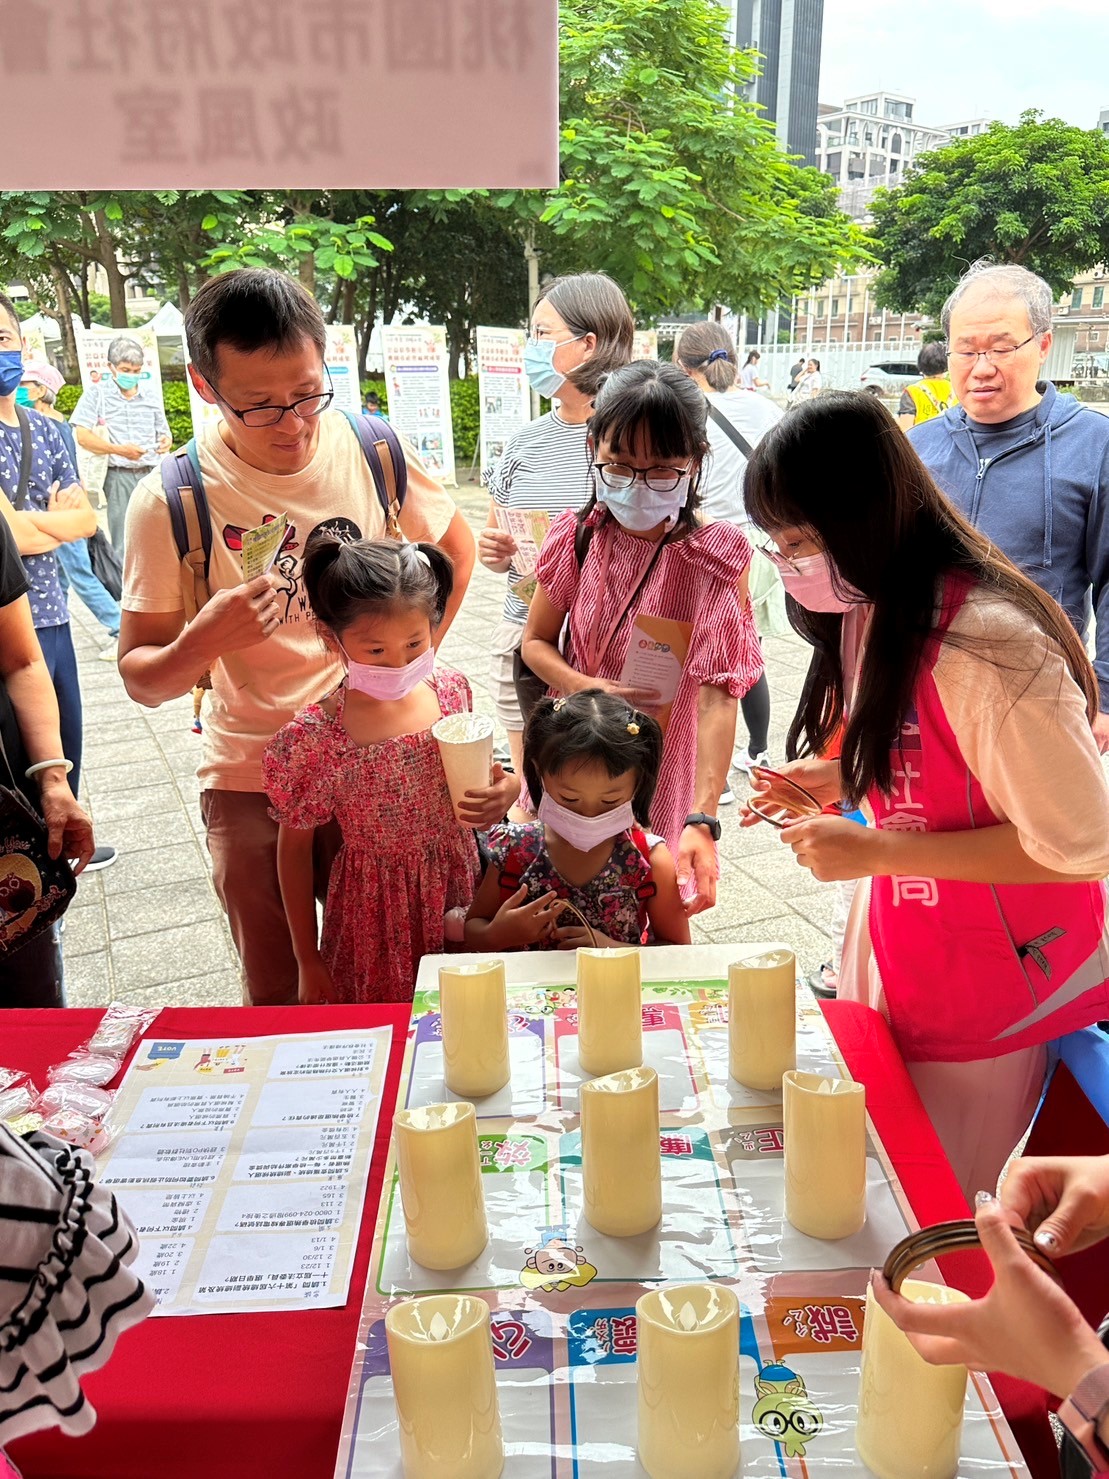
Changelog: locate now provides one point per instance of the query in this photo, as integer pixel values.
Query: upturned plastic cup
(466, 748)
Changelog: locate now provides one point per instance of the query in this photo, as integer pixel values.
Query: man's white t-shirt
(722, 483)
(257, 690)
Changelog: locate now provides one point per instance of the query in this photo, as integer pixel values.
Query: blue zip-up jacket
(1044, 502)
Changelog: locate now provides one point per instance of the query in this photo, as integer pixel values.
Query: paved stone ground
(150, 930)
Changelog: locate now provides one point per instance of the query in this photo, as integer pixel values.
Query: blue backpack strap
(181, 469)
(378, 440)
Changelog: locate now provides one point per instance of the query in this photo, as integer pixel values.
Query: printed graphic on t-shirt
(287, 567)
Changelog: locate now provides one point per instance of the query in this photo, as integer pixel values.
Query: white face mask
(812, 582)
(585, 833)
(388, 684)
(640, 508)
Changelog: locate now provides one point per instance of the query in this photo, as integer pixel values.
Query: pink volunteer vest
(974, 970)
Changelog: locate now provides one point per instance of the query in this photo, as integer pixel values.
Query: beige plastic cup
(466, 747)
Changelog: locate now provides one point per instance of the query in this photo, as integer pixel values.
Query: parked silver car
(889, 376)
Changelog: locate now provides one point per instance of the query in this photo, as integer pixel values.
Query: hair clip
(419, 554)
(558, 703)
(633, 728)
(717, 354)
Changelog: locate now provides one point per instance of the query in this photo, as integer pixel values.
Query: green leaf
(209, 223)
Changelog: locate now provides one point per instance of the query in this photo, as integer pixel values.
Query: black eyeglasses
(307, 408)
(991, 356)
(619, 475)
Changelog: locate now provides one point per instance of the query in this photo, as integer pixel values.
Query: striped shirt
(545, 466)
(138, 419)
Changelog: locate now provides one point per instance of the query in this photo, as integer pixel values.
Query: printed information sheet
(244, 1165)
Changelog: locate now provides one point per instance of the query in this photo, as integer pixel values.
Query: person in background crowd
(965, 698)
(256, 340)
(809, 382)
(1026, 1326)
(1026, 465)
(706, 353)
(749, 375)
(637, 551)
(796, 370)
(932, 395)
(53, 511)
(30, 734)
(122, 419)
(38, 391)
(372, 405)
(581, 328)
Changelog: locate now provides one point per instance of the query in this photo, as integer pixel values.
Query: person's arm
(669, 921)
(1097, 565)
(834, 849)
(511, 925)
(539, 649)
(69, 515)
(457, 541)
(296, 876)
(716, 721)
(25, 676)
(29, 538)
(91, 441)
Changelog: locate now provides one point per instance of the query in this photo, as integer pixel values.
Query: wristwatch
(1080, 1415)
(701, 819)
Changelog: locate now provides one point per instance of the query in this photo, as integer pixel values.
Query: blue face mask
(23, 397)
(539, 355)
(126, 381)
(11, 370)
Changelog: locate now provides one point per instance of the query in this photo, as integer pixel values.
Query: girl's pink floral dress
(404, 860)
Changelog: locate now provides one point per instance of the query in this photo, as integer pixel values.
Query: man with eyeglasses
(256, 343)
(1026, 465)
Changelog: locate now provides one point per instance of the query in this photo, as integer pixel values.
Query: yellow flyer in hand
(657, 650)
(262, 545)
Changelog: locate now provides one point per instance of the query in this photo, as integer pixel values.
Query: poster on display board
(504, 399)
(645, 344)
(34, 344)
(341, 359)
(418, 381)
(243, 1165)
(92, 355)
(562, 1296)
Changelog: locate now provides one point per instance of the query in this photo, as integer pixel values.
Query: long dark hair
(663, 403)
(346, 578)
(599, 726)
(840, 468)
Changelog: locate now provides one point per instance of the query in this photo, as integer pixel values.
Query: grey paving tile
(171, 955)
(740, 900)
(107, 783)
(90, 890)
(154, 866)
(214, 989)
(150, 910)
(141, 801)
(135, 750)
(88, 981)
(808, 943)
(782, 874)
(138, 833)
(85, 931)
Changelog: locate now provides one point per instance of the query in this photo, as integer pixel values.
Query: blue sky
(988, 58)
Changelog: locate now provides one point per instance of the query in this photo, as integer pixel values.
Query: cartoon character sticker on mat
(556, 1264)
(784, 1411)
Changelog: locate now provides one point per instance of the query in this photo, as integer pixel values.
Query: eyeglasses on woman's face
(621, 475)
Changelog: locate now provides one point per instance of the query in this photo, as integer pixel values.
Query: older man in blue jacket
(1028, 466)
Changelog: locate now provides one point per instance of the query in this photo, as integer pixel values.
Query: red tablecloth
(223, 1396)
(235, 1395)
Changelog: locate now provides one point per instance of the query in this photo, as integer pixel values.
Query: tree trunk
(350, 289)
(307, 273)
(184, 289)
(368, 327)
(64, 315)
(117, 295)
(532, 258)
(83, 288)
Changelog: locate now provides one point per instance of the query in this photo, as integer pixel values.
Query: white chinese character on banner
(915, 891)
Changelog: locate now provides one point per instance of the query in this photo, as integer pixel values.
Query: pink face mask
(809, 580)
(388, 684)
(585, 833)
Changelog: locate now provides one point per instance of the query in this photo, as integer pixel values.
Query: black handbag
(106, 564)
(35, 889)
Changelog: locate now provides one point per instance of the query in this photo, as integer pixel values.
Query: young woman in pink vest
(967, 699)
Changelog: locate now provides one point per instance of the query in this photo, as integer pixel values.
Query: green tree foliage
(1036, 194)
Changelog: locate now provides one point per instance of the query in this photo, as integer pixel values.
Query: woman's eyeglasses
(618, 475)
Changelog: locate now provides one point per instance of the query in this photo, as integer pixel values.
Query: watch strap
(1091, 1396)
(702, 819)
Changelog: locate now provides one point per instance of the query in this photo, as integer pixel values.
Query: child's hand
(517, 923)
(485, 808)
(315, 987)
(576, 937)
